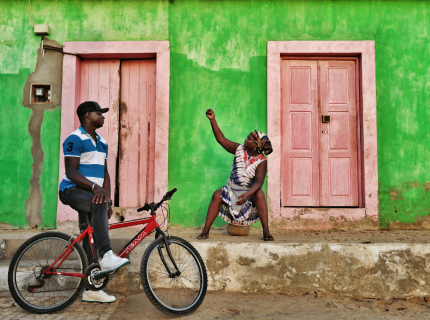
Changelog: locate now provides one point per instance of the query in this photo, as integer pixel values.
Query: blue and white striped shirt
(93, 156)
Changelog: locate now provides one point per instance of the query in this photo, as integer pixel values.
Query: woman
(242, 201)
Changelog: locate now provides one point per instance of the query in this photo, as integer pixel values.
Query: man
(86, 188)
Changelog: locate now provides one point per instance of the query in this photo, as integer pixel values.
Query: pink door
(100, 82)
(319, 159)
(300, 153)
(338, 146)
(137, 133)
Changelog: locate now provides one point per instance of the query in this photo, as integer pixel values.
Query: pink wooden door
(100, 82)
(137, 133)
(339, 163)
(319, 165)
(300, 154)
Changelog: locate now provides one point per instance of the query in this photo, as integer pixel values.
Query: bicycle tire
(27, 263)
(149, 276)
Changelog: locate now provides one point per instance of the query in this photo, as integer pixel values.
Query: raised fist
(210, 114)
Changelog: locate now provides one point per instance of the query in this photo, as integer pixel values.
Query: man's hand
(242, 198)
(101, 195)
(210, 114)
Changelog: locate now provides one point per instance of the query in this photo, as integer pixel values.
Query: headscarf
(263, 142)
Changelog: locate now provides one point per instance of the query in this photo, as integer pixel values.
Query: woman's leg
(260, 202)
(212, 214)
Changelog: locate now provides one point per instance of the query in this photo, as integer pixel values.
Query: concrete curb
(365, 270)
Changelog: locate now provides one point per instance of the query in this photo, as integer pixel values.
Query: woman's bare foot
(267, 236)
(202, 236)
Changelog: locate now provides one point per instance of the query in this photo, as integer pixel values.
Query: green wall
(218, 60)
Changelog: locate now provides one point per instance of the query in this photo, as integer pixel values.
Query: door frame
(74, 51)
(313, 217)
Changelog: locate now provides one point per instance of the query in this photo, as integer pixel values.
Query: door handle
(326, 118)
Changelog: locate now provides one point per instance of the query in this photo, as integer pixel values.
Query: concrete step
(366, 264)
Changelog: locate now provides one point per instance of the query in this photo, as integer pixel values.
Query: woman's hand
(242, 198)
(210, 114)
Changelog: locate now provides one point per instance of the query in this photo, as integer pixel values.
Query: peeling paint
(219, 60)
(382, 270)
(406, 205)
(48, 71)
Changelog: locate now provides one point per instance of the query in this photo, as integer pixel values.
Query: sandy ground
(256, 235)
(225, 305)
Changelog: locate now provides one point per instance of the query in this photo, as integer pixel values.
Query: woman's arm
(228, 145)
(260, 175)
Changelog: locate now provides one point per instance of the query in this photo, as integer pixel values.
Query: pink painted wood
(323, 218)
(299, 134)
(71, 99)
(339, 148)
(137, 133)
(99, 81)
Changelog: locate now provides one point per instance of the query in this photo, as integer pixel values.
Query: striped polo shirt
(93, 155)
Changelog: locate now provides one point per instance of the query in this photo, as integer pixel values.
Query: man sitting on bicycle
(86, 188)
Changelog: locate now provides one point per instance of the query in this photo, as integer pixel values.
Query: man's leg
(84, 220)
(100, 224)
(81, 200)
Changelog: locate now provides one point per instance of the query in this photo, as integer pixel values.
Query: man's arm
(228, 145)
(72, 173)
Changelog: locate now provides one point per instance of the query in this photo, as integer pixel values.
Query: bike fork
(169, 253)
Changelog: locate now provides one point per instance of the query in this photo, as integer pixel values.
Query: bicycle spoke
(176, 292)
(56, 290)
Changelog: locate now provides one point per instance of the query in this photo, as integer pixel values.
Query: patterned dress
(241, 179)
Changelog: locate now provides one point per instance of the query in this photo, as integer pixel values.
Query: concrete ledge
(368, 270)
(340, 263)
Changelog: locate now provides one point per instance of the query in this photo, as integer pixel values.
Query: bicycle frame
(151, 224)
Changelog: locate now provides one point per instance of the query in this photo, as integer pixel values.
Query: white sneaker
(97, 296)
(112, 262)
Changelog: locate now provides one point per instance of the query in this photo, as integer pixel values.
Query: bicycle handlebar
(154, 206)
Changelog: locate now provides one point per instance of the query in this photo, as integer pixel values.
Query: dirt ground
(312, 236)
(226, 305)
(256, 235)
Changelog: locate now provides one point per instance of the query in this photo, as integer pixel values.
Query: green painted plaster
(15, 144)
(51, 147)
(218, 60)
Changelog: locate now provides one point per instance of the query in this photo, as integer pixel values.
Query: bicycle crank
(94, 280)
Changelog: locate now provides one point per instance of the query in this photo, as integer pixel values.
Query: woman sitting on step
(242, 201)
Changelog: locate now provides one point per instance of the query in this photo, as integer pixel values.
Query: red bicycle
(50, 270)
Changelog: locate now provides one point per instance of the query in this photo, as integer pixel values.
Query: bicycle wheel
(52, 292)
(180, 295)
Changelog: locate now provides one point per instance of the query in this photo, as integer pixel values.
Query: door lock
(326, 118)
(324, 131)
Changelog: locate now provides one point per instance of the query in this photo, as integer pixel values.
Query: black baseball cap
(89, 106)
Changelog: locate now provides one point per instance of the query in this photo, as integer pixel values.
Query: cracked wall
(354, 270)
(218, 60)
(48, 70)
(379, 271)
